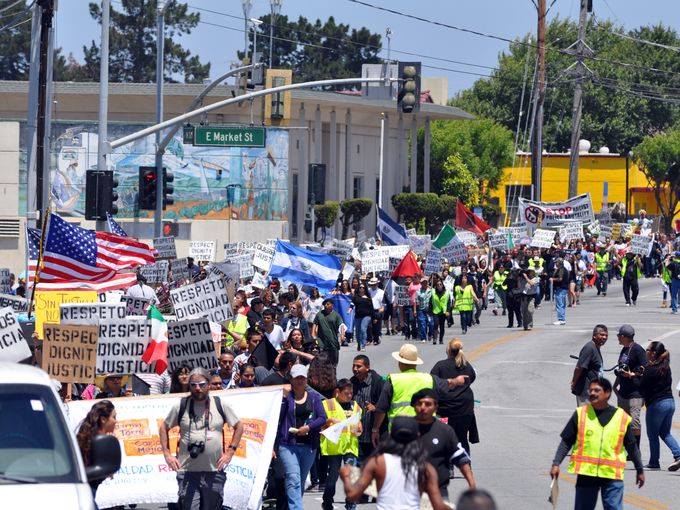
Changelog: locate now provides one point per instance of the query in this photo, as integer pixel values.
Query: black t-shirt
(590, 359)
(274, 379)
(302, 414)
(634, 356)
(656, 383)
(441, 444)
(460, 400)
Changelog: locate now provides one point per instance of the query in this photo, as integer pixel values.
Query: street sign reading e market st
(230, 136)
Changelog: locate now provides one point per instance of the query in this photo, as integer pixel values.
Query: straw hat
(408, 354)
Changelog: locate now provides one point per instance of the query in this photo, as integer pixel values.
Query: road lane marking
(488, 346)
(539, 409)
(524, 362)
(632, 499)
(666, 335)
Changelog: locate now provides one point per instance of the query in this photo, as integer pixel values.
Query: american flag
(114, 227)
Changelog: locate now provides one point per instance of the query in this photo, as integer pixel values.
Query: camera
(195, 449)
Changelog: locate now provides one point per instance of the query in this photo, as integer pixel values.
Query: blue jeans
(659, 419)
(561, 304)
(465, 320)
(675, 290)
(297, 461)
(425, 325)
(602, 281)
(361, 325)
(612, 496)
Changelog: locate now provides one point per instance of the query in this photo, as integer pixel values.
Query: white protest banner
(90, 313)
(180, 270)
(374, 261)
(420, 244)
(498, 241)
(156, 272)
(110, 297)
(202, 251)
(165, 246)
(467, 238)
(397, 251)
(640, 245)
(347, 271)
(190, 343)
(401, 295)
(334, 432)
(144, 477)
(70, 352)
(455, 251)
(551, 214)
(122, 343)
(5, 283)
(433, 263)
(262, 259)
(259, 280)
(13, 345)
(207, 298)
(135, 305)
(16, 303)
(543, 238)
(245, 265)
(571, 230)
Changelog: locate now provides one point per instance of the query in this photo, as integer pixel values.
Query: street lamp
(256, 24)
(275, 11)
(247, 6)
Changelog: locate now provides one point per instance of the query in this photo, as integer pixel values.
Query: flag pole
(38, 265)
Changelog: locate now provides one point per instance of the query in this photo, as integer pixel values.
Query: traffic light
(277, 106)
(146, 197)
(408, 97)
(100, 194)
(316, 184)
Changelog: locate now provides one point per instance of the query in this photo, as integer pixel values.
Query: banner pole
(36, 278)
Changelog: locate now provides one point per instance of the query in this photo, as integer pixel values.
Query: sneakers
(627, 304)
(664, 304)
(559, 323)
(654, 467)
(634, 303)
(675, 466)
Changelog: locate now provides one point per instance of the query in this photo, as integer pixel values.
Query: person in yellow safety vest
(596, 436)
(631, 270)
(500, 286)
(465, 300)
(395, 397)
(346, 450)
(602, 268)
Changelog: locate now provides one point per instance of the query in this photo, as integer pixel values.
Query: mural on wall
(257, 177)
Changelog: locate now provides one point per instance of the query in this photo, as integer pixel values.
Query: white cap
(298, 371)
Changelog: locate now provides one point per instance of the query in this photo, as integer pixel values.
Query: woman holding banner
(101, 419)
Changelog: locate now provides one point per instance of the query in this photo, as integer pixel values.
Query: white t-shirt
(276, 337)
(139, 290)
(377, 295)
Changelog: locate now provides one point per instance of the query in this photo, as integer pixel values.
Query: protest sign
(47, 304)
(156, 272)
(202, 250)
(347, 271)
(122, 343)
(411, 232)
(467, 238)
(551, 214)
(593, 228)
(571, 230)
(361, 236)
(226, 270)
(207, 298)
(401, 295)
(455, 251)
(16, 303)
(111, 297)
(70, 352)
(136, 305)
(606, 231)
(190, 343)
(394, 262)
(90, 314)
(247, 246)
(245, 265)
(398, 251)
(165, 246)
(334, 432)
(433, 263)
(374, 261)
(259, 281)
(263, 256)
(543, 238)
(498, 241)
(640, 245)
(340, 249)
(476, 252)
(144, 477)
(5, 283)
(420, 244)
(516, 232)
(13, 345)
(180, 270)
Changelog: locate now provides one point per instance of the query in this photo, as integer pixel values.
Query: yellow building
(610, 177)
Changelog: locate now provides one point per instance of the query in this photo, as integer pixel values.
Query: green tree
(353, 211)
(458, 181)
(658, 157)
(325, 214)
(482, 146)
(612, 115)
(417, 209)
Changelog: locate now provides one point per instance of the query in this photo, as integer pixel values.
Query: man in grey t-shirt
(201, 459)
(589, 365)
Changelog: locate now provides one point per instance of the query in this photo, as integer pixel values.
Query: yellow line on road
(631, 499)
(477, 352)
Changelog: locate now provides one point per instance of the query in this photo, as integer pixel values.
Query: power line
(9, 26)
(11, 5)
(602, 28)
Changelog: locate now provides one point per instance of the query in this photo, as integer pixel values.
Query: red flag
(468, 220)
(407, 267)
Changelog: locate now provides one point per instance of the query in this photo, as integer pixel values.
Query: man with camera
(632, 361)
(201, 459)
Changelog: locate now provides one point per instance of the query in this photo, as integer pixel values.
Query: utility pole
(273, 13)
(160, 42)
(103, 92)
(539, 91)
(580, 71)
(45, 26)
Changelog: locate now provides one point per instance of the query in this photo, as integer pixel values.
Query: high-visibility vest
(404, 385)
(598, 451)
(464, 301)
(239, 325)
(348, 442)
(440, 303)
(624, 265)
(601, 262)
(533, 264)
(499, 280)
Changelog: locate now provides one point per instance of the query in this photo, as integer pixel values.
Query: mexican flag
(444, 238)
(157, 350)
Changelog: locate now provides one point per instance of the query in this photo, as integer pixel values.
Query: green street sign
(229, 136)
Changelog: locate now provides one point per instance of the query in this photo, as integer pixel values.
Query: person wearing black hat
(440, 441)
(632, 361)
(400, 470)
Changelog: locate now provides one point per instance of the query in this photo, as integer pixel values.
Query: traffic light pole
(103, 93)
(160, 40)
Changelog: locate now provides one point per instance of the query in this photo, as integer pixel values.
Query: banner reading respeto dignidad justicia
(551, 214)
(144, 477)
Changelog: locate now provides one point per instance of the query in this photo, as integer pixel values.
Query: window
(356, 187)
(294, 212)
(512, 194)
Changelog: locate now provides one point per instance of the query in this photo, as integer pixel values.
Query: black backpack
(185, 401)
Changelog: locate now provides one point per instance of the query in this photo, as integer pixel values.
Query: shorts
(632, 406)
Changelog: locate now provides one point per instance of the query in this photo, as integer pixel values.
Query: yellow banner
(47, 304)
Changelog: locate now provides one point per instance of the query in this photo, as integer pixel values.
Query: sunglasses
(198, 384)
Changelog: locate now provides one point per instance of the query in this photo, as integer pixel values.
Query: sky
(505, 18)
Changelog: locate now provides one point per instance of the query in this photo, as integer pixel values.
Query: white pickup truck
(40, 462)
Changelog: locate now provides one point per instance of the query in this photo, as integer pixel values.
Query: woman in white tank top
(400, 470)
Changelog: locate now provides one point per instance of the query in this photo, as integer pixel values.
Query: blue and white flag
(114, 227)
(305, 267)
(390, 231)
(344, 306)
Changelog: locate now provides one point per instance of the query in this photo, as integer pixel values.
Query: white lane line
(536, 361)
(666, 335)
(543, 410)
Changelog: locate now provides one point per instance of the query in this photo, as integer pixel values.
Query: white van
(40, 462)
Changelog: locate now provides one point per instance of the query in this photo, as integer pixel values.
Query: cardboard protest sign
(122, 343)
(374, 261)
(136, 305)
(191, 343)
(5, 283)
(640, 245)
(245, 265)
(433, 263)
(543, 238)
(165, 246)
(70, 352)
(398, 251)
(90, 314)
(401, 295)
(553, 214)
(207, 298)
(516, 232)
(47, 303)
(13, 345)
(455, 251)
(180, 270)
(347, 271)
(16, 303)
(606, 231)
(420, 244)
(156, 272)
(263, 256)
(202, 250)
(467, 238)
(498, 241)
(341, 249)
(571, 230)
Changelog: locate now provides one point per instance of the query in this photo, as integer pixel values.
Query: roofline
(568, 154)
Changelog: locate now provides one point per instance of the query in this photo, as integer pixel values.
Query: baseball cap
(298, 371)
(627, 330)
